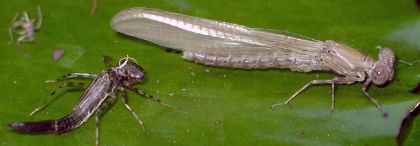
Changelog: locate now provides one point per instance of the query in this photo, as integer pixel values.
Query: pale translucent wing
(281, 40)
(183, 32)
(195, 34)
(285, 33)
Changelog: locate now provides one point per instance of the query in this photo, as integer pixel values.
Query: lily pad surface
(210, 105)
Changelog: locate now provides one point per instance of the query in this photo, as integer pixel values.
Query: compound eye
(136, 74)
(379, 74)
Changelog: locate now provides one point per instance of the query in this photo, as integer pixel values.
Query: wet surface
(407, 34)
(241, 99)
(73, 54)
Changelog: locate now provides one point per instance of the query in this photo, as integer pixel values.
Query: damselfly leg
(104, 106)
(373, 100)
(313, 82)
(125, 102)
(148, 96)
(61, 85)
(50, 100)
(97, 129)
(72, 76)
(107, 60)
(336, 80)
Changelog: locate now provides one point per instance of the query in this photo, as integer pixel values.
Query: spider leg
(21, 39)
(12, 27)
(39, 21)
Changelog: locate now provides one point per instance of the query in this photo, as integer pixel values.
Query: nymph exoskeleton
(25, 27)
(99, 96)
(230, 45)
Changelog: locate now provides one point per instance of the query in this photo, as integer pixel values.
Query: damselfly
(99, 96)
(230, 45)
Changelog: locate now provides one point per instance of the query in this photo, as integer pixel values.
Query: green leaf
(211, 106)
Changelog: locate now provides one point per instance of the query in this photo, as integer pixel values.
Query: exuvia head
(383, 69)
(129, 71)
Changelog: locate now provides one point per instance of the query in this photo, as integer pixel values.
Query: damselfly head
(130, 71)
(383, 69)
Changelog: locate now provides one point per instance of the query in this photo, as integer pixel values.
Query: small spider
(26, 26)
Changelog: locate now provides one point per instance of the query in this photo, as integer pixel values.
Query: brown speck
(171, 94)
(57, 54)
(217, 122)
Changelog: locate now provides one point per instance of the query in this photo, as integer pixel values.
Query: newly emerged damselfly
(230, 45)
